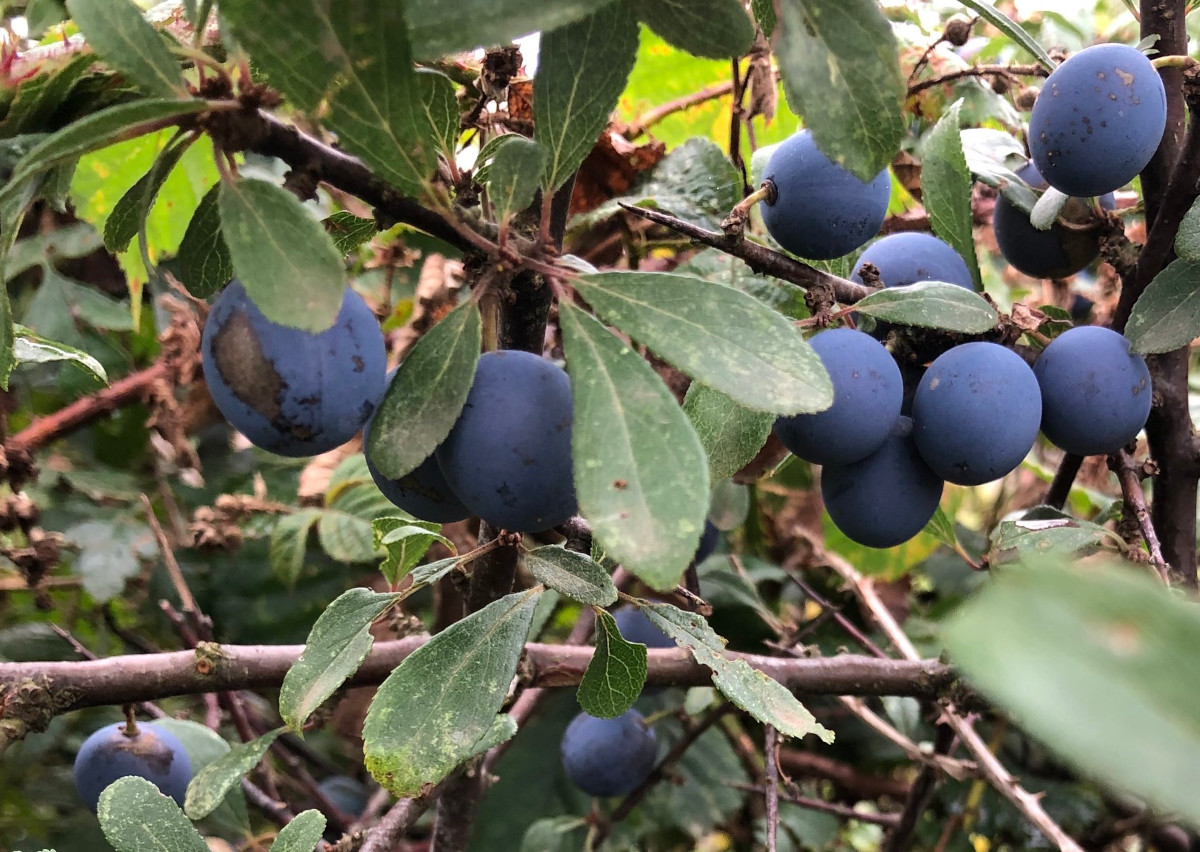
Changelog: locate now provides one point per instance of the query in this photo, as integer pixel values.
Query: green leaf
(443, 699)
(109, 552)
(123, 38)
(302, 834)
(1012, 29)
(38, 100)
(1045, 530)
(764, 13)
(932, 304)
(439, 107)
(204, 264)
(1167, 314)
(1187, 238)
(289, 543)
(582, 68)
(353, 55)
(338, 643)
(942, 528)
(720, 336)
(130, 212)
(431, 572)
(946, 189)
(203, 746)
(405, 541)
(1092, 654)
(718, 29)
(616, 673)
(714, 265)
(766, 700)
(731, 434)
(571, 574)
(549, 834)
(841, 73)
(437, 28)
(214, 781)
(345, 537)
(136, 817)
(281, 254)
(426, 394)
(349, 231)
(641, 477)
(96, 131)
(30, 347)
(513, 179)
(66, 243)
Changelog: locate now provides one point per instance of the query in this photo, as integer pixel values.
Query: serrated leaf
(946, 189)
(513, 179)
(717, 29)
(204, 264)
(1187, 238)
(1087, 654)
(214, 781)
(289, 542)
(354, 56)
(338, 643)
(30, 347)
(349, 231)
(841, 72)
(281, 254)
(582, 69)
(118, 32)
(203, 746)
(503, 729)
(571, 574)
(37, 100)
(1012, 29)
(714, 265)
(302, 834)
(136, 817)
(932, 304)
(345, 537)
(426, 395)
(731, 434)
(437, 28)
(405, 541)
(942, 528)
(427, 717)
(616, 673)
(1166, 315)
(641, 477)
(766, 700)
(439, 107)
(131, 209)
(98, 130)
(720, 336)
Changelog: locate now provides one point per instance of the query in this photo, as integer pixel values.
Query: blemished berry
(287, 390)
(1096, 393)
(423, 493)
(886, 498)
(821, 211)
(636, 626)
(608, 757)
(1098, 120)
(1056, 253)
(976, 413)
(867, 394)
(508, 457)
(152, 753)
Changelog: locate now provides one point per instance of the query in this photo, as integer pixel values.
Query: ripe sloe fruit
(1056, 253)
(976, 413)
(608, 757)
(821, 211)
(636, 626)
(152, 753)
(908, 257)
(867, 393)
(709, 539)
(1096, 393)
(1098, 120)
(349, 795)
(289, 391)
(424, 492)
(886, 498)
(508, 457)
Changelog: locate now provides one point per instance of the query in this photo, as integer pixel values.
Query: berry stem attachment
(735, 222)
(131, 729)
(1172, 62)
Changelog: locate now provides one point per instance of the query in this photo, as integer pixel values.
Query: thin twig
(1128, 473)
(771, 750)
(173, 570)
(886, 820)
(1034, 70)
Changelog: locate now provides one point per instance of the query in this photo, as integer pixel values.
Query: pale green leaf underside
(136, 817)
(214, 781)
(932, 304)
(571, 574)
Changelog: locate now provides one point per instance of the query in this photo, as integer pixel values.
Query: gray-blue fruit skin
(909, 257)
(287, 390)
(508, 457)
(636, 626)
(1098, 120)
(154, 754)
(886, 498)
(709, 539)
(821, 211)
(349, 795)
(976, 413)
(608, 757)
(1056, 253)
(867, 394)
(423, 493)
(1096, 393)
